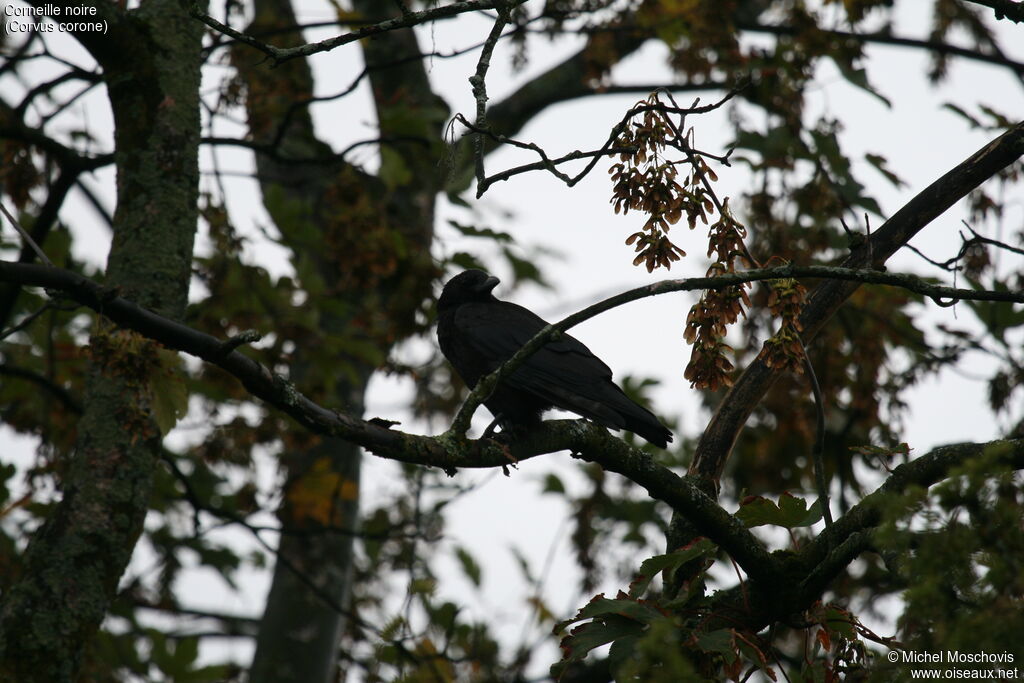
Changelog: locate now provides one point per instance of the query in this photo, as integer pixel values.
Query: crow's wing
(563, 372)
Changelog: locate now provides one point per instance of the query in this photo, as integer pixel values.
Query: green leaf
(839, 621)
(720, 641)
(859, 77)
(473, 231)
(392, 628)
(790, 512)
(777, 146)
(169, 392)
(469, 565)
(998, 119)
(594, 634)
(880, 162)
(622, 651)
(524, 565)
(393, 170)
(974, 123)
(6, 472)
(446, 615)
(552, 484)
(652, 566)
(466, 261)
(622, 606)
(423, 586)
(523, 269)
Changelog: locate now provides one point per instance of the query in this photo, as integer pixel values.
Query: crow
(477, 333)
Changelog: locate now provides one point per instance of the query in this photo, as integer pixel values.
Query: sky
(920, 139)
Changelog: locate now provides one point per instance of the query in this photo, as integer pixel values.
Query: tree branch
(280, 55)
(29, 242)
(1004, 9)
(881, 38)
(550, 165)
(446, 451)
(585, 440)
(44, 222)
(829, 554)
(478, 82)
(278, 392)
(45, 383)
(941, 294)
(847, 533)
(716, 443)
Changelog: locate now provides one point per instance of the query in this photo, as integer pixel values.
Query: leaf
(621, 606)
(790, 512)
(524, 564)
(652, 566)
(6, 472)
(523, 270)
(823, 639)
(392, 628)
(974, 123)
(445, 616)
(314, 495)
(998, 120)
(621, 651)
(880, 162)
(720, 641)
(473, 231)
(777, 146)
(169, 392)
(423, 586)
(594, 634)
(858, 76)
(393, 170)
(552, 484)
(840, 621)
(466, 261)
(543, 612)
(469, 565)
(222, 559)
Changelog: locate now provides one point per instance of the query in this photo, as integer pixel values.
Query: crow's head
(466, 287)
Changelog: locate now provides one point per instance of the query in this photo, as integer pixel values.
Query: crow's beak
(490, 283)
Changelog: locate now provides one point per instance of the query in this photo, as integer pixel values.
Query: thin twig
(818, 450)
(988, 240)
(243, 338)
(28, 238)
(546, 163)
(26, 321)
(478, 81)
(407, 20)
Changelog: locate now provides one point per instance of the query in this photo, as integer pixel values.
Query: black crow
(477, 333)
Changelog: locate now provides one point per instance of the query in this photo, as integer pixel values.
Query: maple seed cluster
(785, 350)
(709, 318)
(644, 180)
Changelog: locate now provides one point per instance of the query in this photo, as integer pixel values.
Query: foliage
(352, 298)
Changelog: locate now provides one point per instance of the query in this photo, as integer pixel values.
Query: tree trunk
(150, 59)
(368, 242)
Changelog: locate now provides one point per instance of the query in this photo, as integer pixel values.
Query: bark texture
(150, 60)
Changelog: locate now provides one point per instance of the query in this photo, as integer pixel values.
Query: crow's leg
(508, 430)
(489, 432)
